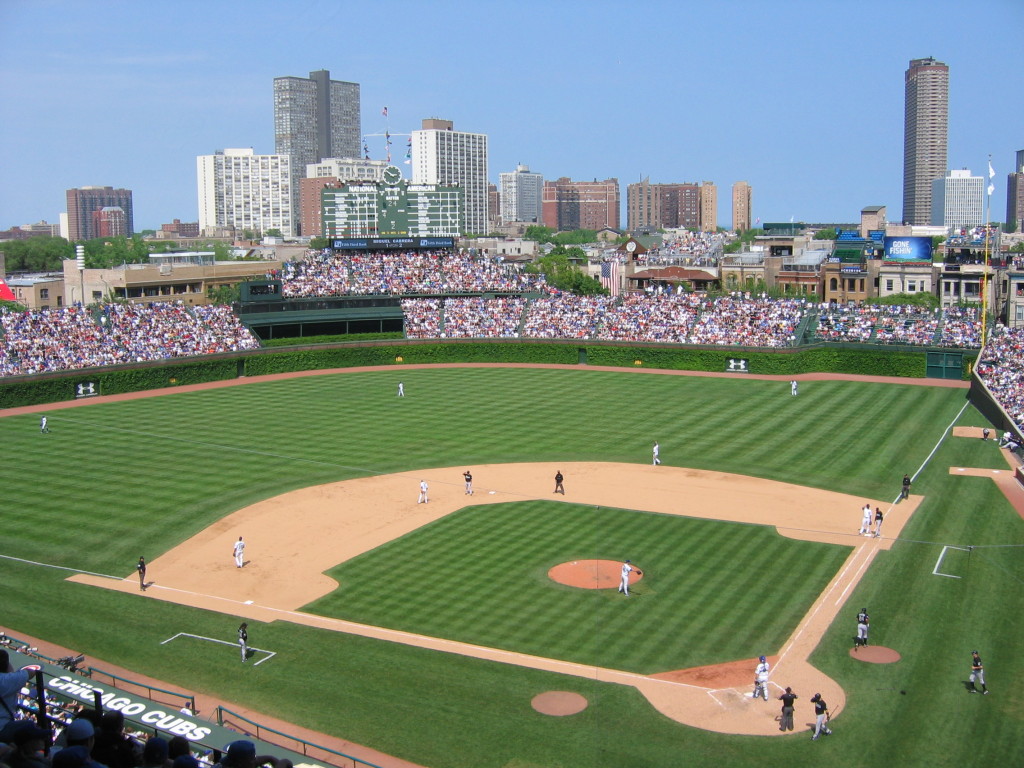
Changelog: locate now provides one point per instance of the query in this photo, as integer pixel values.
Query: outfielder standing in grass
(42, 425)
(243, 639)
(656, 451)
(977, 674)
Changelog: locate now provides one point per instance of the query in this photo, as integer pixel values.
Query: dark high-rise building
(925, 135)
(85, 201)
(1015, 196)
(315, 118)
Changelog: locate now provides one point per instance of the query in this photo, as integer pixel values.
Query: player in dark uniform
(906, 487)
(243, 639)
(787, 699)
(977, 673)
(141, 568)
(559, 488)
(468, 477)
(821, 717)
(863, 621)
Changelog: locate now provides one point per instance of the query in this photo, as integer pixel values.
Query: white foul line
(270, 654)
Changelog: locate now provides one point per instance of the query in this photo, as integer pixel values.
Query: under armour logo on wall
(737, 364)
(86, 389)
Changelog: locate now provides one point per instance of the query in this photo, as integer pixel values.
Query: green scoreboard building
(392, 207)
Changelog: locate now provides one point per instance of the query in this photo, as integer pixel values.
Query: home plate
(492, 492)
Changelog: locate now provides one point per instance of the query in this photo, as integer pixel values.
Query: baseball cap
(71, 757)
(816, 697)
(79, 730)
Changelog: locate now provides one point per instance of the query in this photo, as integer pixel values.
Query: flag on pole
(610, 277)
(991, 175)
(384, 111)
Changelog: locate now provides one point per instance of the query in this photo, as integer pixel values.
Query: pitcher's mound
(559, 703)
(591, 574)
(876, 654)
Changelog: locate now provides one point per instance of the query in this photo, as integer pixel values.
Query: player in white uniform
(657, 450)
(627, 568)
(42, 425)
(423, 493)
(239, 553)
(401, 389)
(761, 678)
(243, 640)
(865, 523)
(793, 387)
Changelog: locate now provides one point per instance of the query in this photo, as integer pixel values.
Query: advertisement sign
(908, 249)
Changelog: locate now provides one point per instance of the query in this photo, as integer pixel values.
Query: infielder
(627, 568)
(469, 482)
(423, 493)
(761, 678)
(243, 639)
(821, 717)
(878, 521)
(863, 621)
(865, 522)
(977, 673)
(239, 553)
(141, 568)
(657, 450)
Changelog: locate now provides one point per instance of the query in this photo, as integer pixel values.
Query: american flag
(610, 277)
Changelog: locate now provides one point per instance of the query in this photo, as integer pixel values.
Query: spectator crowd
(75, 337)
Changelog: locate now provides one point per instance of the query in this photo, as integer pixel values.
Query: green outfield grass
(113, 481)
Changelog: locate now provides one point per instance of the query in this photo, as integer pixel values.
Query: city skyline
(816, 129)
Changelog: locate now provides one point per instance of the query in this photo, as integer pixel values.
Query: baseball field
(426, 631)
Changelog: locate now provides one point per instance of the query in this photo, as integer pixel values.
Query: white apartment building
(522, 193)
(240, 189)
(443, 156)
(958, 200)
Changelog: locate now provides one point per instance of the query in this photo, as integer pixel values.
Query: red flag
(5, 291)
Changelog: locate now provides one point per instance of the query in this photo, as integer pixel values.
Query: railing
(183, 699)
(229, 719)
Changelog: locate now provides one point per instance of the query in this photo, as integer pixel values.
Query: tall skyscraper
(521, 195)
(444, 156)
(708, 207)
(315, 118)
(85, 201)
(741, 198)
(240, 190)
(570, 205)
(1015, 196)
(958, 200)
(925, 135)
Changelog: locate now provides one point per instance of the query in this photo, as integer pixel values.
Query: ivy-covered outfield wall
(871, 361)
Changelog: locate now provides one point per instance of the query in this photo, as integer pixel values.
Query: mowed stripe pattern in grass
(711, 591)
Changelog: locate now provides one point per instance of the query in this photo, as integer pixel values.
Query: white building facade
(521, 195)
(958, 200)
(443, 156)
(347, 169)
(242, 190)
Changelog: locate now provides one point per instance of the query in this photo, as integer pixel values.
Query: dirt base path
(293, 538)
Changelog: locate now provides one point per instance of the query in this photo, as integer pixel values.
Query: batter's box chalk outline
(269, 654)
(938, 563)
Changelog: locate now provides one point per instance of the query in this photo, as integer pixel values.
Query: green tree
(923, 299)
(825, 234)
(575, 237)
(12, 306)
(273, 232)
(224, 294)
(37, 254)
(539, 233)
(318, 243)
(561, 273)
(221, 251)
(1018, 248)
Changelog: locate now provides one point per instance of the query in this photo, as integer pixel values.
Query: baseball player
(906, 487)
(657, 450)
(977, 673)
(627, 568)
(863, 621)
(243, 639)
(559, 488)
(761, 678)
(141, 568)
(42, 425)
(239, 553)
(821, 717)
(469, 482)
(865, 521)
(401, 389)
(423, 493)
(878, 521)
(787, 699)
(793, 388)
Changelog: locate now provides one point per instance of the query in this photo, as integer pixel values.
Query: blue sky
(802, 99)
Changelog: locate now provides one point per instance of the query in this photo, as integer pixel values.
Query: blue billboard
(904, 249)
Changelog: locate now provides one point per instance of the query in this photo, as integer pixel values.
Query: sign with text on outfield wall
(737, 365)
(86, 389)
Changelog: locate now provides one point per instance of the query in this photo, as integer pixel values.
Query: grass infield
(113, 481)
